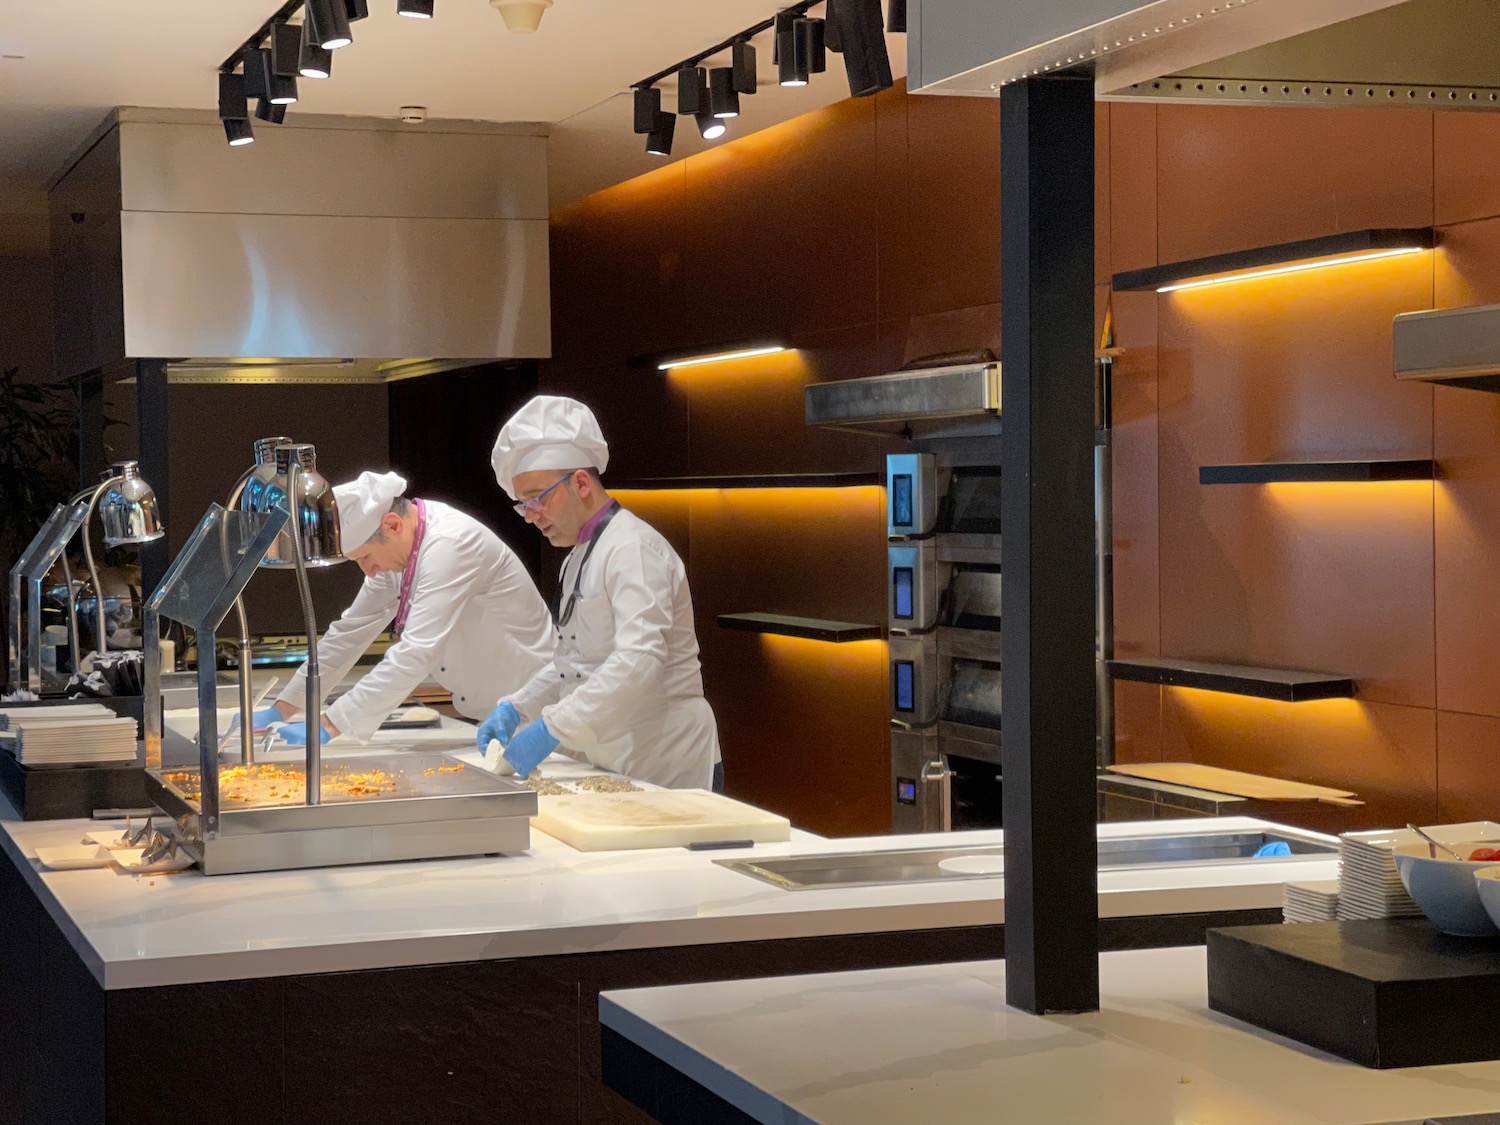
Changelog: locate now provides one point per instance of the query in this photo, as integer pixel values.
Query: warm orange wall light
(1298, 267)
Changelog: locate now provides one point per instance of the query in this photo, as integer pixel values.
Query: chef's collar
(591, 525)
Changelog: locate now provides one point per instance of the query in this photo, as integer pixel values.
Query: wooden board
(667, 818)
(1235, 783)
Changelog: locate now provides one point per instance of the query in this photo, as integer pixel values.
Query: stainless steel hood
(1454, 347)
(344, 250)
(1334, 52)
(958, 401)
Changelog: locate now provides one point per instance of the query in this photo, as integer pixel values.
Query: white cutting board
(666, 818)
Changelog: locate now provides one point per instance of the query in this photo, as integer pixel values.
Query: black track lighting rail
(281, 15)
(801, 8)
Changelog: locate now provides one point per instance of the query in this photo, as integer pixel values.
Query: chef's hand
(260, 720)
(295, 734)
(529, 746)
(501, 724)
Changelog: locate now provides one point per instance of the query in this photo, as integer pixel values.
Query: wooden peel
(1237, 784)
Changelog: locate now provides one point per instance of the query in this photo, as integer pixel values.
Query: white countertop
(141, 931)
(938, 1044)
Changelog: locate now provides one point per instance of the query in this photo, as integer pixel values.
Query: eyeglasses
(534, 503)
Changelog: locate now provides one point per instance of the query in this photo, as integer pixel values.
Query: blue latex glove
(501, 724)
(295, 734)
(1278, 848)
(529, 747)
(259, 720)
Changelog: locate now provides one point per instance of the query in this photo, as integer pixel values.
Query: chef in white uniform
(464, 608)
(624, 689)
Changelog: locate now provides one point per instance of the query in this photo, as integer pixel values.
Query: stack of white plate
(1313, 901)
(1368, 884)
(85, 734)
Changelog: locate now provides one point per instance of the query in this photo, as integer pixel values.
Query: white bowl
(1487, 883)
(1445, 889)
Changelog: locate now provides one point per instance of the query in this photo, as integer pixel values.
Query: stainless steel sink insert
(921, 865)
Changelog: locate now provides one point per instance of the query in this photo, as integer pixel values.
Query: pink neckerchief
(410, 574)
(591, 525)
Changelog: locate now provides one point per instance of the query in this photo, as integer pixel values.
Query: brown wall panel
(1137, 565)
(1132, 186)
(1386, 755)
(1464, 185)
(1231, 177)
(1137, 722)
(953, 166)
(780, 229)
(896, 284)
(1103, 245)
(1468, 756)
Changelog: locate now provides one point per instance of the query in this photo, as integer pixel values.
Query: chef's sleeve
(445, 585)
(347, 638)
(543, 688)
(639, 582)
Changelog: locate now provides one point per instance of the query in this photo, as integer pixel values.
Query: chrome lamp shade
(314, 511)
(251, 496)
(128, 509)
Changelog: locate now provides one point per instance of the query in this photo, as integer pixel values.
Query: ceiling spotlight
(416, 9)
(357, 9)
(313, 60)
(279, 89)
(647, 108)
(659, 140)
(810, 56)
(831, 27)
(692, 90)
(330, 20)
(710, 126)
(238, 131)
(723, 98)
(863, 41)
(790, 69)
(895, 15)
(521, 17)
(412, 114)
(286, 49)
(274, 112)
(233, 105)
(742, 59)
(256, 69)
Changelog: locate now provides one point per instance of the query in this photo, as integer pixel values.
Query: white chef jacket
(476, 624)
(624, 689)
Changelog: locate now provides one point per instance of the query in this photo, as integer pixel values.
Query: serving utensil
(1433, 845)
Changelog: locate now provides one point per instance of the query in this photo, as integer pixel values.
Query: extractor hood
(961, 400)
(1421, 53)
(1454, 347)
(332, 250)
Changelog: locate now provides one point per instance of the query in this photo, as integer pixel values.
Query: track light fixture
(810, 55)
(647, 108)
(711, 127)
(659, 139)
(862, 38)
(790, 69)
(357, 9)
(313, 61)
(234, 110)
(895, 16)
(330, 20)
(742, 61)
(416, 9)
(692, 91)
(238, 131)
(723, 98)
(831, 37)
(278, 89)
(274, 112)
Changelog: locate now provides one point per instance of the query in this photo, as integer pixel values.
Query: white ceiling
(80, 58)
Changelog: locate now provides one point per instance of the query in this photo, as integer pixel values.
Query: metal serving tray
(920, 865)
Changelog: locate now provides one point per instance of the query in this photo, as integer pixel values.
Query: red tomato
(1484, 855)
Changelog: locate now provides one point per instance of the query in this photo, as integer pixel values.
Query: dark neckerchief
(562, 614)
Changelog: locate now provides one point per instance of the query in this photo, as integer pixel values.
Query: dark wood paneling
(1132, 185)
(893, 216)
(1468, 767)
(1137, 722)
(1332, 170)
(1466, 181)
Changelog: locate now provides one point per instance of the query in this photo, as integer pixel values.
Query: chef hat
(549, 432)
(362, 503)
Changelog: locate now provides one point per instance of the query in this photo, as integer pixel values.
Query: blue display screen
(901, 578)
(901, 500)
(906, 791)
(905, 686)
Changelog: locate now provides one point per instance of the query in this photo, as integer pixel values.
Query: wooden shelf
(1273, 472)
(769, 480)
(809, 628)
(1286, 684)
(1352, 245)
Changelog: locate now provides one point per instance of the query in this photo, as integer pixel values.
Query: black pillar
(1047, 510)
(91, 455)
(151, 426)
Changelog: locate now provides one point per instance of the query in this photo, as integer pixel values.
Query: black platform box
(69, 792)
(1380, 993)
